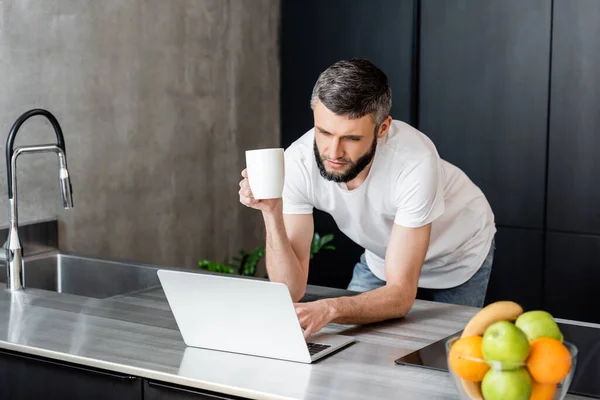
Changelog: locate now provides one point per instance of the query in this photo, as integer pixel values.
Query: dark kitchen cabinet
(571, 277)
(28, 377)
(483, 97)
(314, 35)
(574, 170)
(166, 391)
(517, 270)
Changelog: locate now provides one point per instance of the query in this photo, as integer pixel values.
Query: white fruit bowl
(464, 387)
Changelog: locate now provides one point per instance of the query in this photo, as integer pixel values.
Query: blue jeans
(471, 293)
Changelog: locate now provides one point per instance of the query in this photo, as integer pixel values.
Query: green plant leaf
(216, 267)
(326, 239)
(314, 245)
(245, 263)
(320, 243)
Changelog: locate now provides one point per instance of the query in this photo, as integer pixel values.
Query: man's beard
(354, 168)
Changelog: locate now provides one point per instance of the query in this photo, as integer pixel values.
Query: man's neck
(360, 178)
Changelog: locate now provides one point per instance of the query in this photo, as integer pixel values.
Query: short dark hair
(354, 88)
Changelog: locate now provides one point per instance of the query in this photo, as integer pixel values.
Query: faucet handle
(65, 187)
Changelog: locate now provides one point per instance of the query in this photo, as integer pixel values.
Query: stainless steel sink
(85, 276)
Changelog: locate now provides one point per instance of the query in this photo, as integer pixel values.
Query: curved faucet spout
(60, 140)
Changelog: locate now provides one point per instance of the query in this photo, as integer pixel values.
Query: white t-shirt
(408, 184)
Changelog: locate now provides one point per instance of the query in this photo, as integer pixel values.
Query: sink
(84, 276)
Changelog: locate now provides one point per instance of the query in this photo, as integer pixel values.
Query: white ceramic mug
(266, 172)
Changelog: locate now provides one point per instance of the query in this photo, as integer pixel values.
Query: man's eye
(354, 139)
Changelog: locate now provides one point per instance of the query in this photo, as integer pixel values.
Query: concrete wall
(158, 101)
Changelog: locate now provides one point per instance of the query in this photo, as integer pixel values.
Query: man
(422, 222)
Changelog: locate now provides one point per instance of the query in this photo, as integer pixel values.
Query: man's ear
(384, 127)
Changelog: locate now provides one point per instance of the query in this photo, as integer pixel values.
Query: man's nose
(335, 149)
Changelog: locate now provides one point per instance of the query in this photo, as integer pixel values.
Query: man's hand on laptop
(313, 316)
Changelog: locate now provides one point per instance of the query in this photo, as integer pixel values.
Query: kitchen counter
(136, 334)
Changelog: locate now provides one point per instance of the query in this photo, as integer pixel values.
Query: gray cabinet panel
(574, 169)
(483, 97)
(517, 272)
(28, 377)
(571, 277)
(316, 33)
(165, 391)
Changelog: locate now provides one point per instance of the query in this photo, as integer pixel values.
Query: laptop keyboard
(314, 348)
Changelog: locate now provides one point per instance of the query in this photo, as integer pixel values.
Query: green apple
(537, 324)
(515, 384)
(504, 345)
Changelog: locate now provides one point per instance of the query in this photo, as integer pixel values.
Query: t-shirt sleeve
(296, 188)
(419, 193)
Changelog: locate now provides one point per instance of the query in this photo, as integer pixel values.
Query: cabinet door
(574, 170)
(26, 377)
(572, 277)
(483, 97)
(317, 33)
(166, 391)
(517, 272)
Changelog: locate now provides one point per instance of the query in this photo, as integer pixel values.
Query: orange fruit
(542, 391)
(466, 359)
(549, 360)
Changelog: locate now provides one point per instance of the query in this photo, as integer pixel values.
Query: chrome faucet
(14, 251)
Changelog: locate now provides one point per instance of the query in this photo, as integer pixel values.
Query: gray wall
(158, 101)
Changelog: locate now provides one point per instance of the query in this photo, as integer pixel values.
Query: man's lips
(336, 164)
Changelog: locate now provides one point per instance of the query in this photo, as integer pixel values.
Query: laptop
(242, 315)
